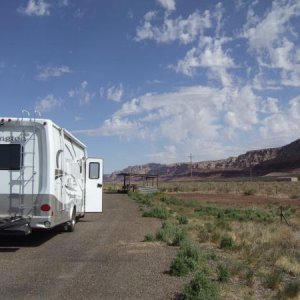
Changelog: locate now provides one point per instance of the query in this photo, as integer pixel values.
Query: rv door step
(15, 226)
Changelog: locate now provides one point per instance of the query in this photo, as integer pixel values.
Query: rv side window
(94, 168)
(10, 156)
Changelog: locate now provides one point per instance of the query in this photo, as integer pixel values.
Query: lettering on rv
(13, 139)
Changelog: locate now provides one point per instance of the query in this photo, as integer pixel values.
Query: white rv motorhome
(46, 179)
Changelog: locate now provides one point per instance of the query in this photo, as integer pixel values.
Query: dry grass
(262, 257)
(268, 188)
(289, 265)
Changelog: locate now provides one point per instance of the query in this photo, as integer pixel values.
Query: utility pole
(191, 163)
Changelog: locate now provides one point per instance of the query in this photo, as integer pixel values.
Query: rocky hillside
(256, 162)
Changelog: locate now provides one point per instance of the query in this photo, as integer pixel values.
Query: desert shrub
(223, 224)
(201, 288)
(149, 237)
(180, 237)
(171, 234)
(289, 263)
(182, 266)
(212, 255)
(170, 200)
(226, 242)
(203, 234)
(241, 215)
(223, 273)
(249, 277)
(249, 192)
(145, 199)
(183, 220)
(210, 232)
(157, 212)
(291, 290)
(186, 261)
(273, 279)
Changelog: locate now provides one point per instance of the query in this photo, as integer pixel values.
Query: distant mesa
(272, 161)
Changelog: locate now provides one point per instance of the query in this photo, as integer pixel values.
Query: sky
(142, 81)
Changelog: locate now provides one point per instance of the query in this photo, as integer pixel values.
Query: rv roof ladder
(27, 166)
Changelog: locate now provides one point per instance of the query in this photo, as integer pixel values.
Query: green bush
(186, 260)
(182, 266)
(249, 277)
(145, 199)
(157, 212)
(273, 279)
(291, 290)
(242, 215)
(223, 273)
(226, 242)
(182, 220)
(149, 237)
(201, 288)
(212, 255)
(171, 234)
(170, 200)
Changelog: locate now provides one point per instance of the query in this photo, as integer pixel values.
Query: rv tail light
(45, 207)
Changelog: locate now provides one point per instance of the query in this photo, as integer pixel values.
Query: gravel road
(104, 258)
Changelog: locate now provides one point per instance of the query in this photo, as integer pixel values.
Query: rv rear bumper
(15, 226)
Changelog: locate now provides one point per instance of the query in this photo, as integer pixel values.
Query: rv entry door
(94, 181)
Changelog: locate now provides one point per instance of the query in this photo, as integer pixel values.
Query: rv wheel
(72, 222)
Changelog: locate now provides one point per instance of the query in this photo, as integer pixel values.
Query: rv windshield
(10, 156)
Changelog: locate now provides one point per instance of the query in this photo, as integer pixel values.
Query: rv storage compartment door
(94, 181)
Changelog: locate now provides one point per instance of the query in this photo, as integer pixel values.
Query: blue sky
(143, 81)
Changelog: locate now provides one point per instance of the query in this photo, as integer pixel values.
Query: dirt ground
(237, 200)
(104, 258)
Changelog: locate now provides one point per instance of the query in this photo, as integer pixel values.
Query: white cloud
(270, 105)
(129, 108)
(47, 104)
(195, 115)
(294, 108)
(218, 15)
(169, 5)
(261, 81)
(283, 125)
(271, 39)
(203, 120)
(209, 54)
(265, 33)
(183, 30)
(241, 111)
(291, 78)
(52, 71)
(115, 93)
(82, 94)
(38, 8)
(116, 126)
